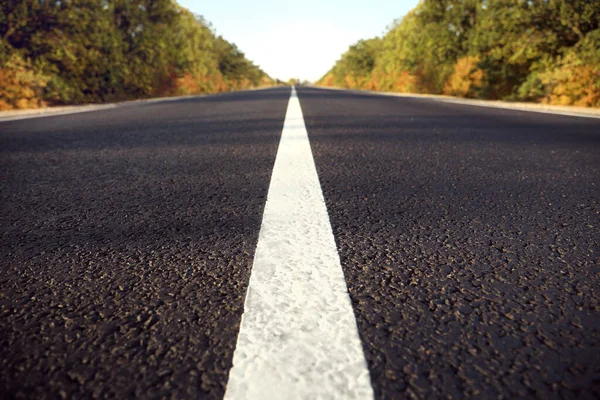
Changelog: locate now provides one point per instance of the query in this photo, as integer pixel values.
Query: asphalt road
(127, 241)
(469, 238)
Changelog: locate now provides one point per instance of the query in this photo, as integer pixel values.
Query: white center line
(298, 337)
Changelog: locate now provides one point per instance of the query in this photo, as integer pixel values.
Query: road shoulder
(518, 106)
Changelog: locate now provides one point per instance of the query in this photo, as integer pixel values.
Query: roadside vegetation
(544, 51)
(55, 52)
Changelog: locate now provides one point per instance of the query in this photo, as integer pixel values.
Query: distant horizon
(293, 40)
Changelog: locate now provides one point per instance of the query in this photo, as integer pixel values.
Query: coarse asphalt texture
(469, 238)
(470, 242)
(127, 242)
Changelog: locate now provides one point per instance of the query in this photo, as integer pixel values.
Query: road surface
(468, 239)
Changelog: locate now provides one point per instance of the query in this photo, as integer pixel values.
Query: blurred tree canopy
(530, 50)
(88, 51)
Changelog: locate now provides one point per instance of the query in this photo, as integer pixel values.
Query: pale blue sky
(298, 39)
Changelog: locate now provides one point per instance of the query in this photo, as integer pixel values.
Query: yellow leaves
(569, 82)
(405, 82)
(187, 84)
(512, 50)
(467, 77)
(21, 85)
(327, 80)
(573, 84)
(351, 82)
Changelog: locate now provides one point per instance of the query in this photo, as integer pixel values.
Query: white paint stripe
(298, 337)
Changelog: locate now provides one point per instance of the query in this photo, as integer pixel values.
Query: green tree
(77, 51)
(539, 50)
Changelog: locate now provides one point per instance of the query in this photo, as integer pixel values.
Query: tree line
(88, 51)
(518, 50)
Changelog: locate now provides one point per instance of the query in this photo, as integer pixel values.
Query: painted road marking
(298, 337)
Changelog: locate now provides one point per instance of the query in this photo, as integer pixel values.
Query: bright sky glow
(298, 39)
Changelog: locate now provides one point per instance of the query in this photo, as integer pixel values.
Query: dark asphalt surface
(469, 238)
(127, 241)
(470, 242)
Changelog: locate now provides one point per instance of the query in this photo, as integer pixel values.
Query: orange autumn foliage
(20, 85)
(327, 80)
(405, 82)
(577, 85)
(465, 80)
